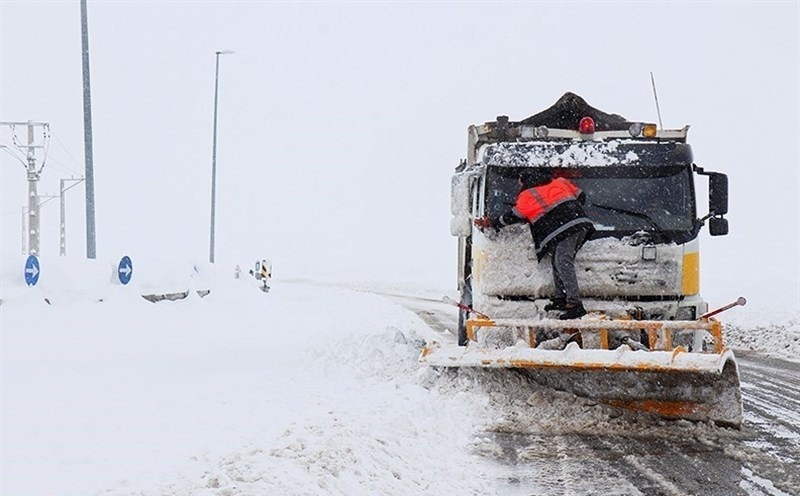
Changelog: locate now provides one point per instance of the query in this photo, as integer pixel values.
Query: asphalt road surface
(762, 458)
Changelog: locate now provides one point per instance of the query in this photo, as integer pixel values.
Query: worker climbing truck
(648, 343)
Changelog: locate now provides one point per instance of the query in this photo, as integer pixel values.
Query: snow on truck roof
(594, 154)
(572, 133)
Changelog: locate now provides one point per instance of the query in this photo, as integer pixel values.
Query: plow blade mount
(673, 384)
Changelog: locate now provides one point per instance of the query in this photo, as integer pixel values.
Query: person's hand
(483, 222)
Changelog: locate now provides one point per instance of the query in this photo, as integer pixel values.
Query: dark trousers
(564, 278)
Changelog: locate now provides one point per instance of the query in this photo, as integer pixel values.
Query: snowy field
(305, 390)
(311, 389)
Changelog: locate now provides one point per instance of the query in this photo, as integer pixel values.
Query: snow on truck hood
(506, 265)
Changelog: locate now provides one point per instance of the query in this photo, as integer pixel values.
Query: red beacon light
(586, 126)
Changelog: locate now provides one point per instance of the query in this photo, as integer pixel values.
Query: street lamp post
(214, 156)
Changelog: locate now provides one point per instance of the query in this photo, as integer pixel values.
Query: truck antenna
(655, 95)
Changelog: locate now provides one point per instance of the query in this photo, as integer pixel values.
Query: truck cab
(642, 261)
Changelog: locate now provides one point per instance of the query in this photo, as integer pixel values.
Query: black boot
(573, 311)
(556, 304)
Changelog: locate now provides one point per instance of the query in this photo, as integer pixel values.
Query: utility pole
(91, 249)
(33, 197)
(63, 228)
(26, 222)
(24, 234)
(33, 178)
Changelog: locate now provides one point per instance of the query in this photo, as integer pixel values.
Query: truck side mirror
(717, 226)
(718, 194)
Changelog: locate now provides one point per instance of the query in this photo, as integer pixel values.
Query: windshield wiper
(639, 215)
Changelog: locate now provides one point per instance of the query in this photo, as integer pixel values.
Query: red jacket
(534, 202)
(554, 212)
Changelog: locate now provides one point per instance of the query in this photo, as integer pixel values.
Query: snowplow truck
(645, 344)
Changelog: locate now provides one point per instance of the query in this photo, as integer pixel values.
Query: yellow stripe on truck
(691, 273)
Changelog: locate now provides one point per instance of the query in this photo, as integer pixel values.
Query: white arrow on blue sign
(125, 270)
(31, 270)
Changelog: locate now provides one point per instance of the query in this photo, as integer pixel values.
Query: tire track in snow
(773, 392)
(783, 375)
(781, 406)
(776, 419)
(771, 403)
(678, 466)
(557, 465)
(666, 486)
(757, 486)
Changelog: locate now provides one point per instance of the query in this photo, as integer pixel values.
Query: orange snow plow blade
(659, 378)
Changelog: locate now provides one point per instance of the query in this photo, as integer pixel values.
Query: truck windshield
(620, 200)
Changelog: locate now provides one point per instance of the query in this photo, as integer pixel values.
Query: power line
(46, 138)
(6, 149)
(49, 199)
(61, 144)
(64, 167)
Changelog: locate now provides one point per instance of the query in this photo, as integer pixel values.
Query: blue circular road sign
(31, 270)
(125, 270)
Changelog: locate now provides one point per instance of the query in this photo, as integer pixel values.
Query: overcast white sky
(340, 123)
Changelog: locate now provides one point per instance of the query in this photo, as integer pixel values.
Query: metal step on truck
(648, 342)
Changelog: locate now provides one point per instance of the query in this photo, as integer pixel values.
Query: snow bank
(305, 390)
(773, 332)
